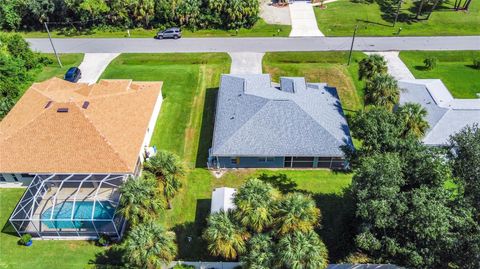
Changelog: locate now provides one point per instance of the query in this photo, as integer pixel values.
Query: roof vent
(49, 103)
(85, 104)
(62, 110)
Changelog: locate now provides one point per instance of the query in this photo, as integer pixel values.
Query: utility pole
(351, 47)
(51, 42)
(398, 11)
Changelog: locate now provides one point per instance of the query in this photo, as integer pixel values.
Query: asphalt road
(139, 45)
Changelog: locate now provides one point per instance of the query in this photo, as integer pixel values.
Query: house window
(25, 175)
(235, 161)
(266, 159)
(299, 162)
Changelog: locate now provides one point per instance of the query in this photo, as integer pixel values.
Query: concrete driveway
(93, 65)
(303, 18)
(246, 63)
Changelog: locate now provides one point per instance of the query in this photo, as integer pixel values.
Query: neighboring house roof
(445, 115)
(102, 132)
(253, 118)
(222, 199)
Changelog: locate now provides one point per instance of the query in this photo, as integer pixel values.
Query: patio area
(70, 206)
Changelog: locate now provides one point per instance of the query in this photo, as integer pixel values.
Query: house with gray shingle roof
(445, 114)
(294, 124)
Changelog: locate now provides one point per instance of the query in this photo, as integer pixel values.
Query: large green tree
(382, 90)
(372, 65)
(141, 200)
(296, 212)
(465, 155)
(168, 169)
(149, 245)
(254, 202)
(260, 252)
(300, 250)
(225, 238)
(413, 117)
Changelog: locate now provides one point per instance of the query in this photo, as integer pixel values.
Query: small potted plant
(26, 240)
(104, 240)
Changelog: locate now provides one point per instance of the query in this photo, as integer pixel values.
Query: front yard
(376, 19)
(329, 67)
(454, 68)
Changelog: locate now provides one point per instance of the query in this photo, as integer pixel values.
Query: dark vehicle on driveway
(73, 74)
(173, 32)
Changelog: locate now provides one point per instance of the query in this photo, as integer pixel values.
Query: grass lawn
(454, 68)
(330, 67)
(53, 69)
(260, 29)
(340, 18)
(42, 254)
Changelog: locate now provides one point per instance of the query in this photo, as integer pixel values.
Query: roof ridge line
(101, 135)
(243, 91)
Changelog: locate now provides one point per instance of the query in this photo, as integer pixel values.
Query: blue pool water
(81, 214)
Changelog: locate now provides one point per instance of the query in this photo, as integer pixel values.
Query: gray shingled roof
(445, 119)
(253, 118)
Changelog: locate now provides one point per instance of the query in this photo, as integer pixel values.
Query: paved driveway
(303, 20)
(150, 45)
(93, 65)
(246, 63)
(395, 65)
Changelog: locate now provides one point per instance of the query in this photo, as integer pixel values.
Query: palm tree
(296, 212)
(382, 90)
(299, 250)
(140, 200)
(372, 65)
(168, 169)
(260, 253)
(413, 118)
(255, 204)
(224, 237)
(149, 245)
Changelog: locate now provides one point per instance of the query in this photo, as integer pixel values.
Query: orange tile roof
(105, 137)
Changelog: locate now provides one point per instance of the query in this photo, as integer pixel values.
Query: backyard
(454, 68)
(376, 19)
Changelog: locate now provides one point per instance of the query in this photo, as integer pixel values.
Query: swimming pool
(82, 213)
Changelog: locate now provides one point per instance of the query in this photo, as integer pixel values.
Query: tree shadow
(471, 66)
(206, 132)
(110, 258)
(421, 68)
(9, 229)
(337, 228)
(191, 245)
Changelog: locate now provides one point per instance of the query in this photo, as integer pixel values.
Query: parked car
(173, 32)
(73, 74)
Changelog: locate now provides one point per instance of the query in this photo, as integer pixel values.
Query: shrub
(183, 266)
(25, 239)
(430, 63)
(476, 63)
(104, 240)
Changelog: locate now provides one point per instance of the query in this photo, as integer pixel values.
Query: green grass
(340, 18)
(260, 29)
(454, 68)
(42, 254)
(329, 67)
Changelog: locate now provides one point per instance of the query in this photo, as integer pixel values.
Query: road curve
(141, 45)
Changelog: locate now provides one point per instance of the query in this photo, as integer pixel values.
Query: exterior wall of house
(280, 162)
(250, 162)
(151, 126)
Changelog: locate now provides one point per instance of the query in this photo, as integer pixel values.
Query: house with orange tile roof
(75, 144)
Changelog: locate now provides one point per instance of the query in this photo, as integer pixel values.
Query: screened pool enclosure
(66, 206)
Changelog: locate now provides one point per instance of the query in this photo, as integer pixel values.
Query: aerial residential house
(291, 125)
(75, 144)
(445, 114)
